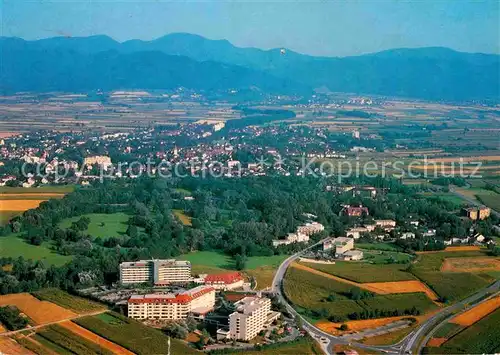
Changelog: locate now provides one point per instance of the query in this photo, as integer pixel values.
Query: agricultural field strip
(477, 312)
(39, 326)
(381, 288)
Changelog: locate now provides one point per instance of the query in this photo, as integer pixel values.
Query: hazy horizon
(315, 28)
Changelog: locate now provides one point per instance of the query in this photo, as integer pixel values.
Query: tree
(240, 261)
(344, 327)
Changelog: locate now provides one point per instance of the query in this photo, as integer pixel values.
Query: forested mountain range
(180, 59)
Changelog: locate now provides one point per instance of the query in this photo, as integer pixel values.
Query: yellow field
(40, 312)
(476, 313)
(436, 342)
(401, 287)
(10, 347)
(19, 205)
(471, 264)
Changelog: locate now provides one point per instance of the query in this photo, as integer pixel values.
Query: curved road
(412, 343)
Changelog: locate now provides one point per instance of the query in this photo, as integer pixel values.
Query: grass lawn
(378, 246)
(183, 191)
(365, 272)
(102, 225)
(386, 257)
(132, 335)
(184, 218)
(480, 338)
(446, 196)
(14, 247)
(65, 300)
(216, 260)
(302, 346)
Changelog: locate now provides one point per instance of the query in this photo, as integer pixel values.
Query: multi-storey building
(355, 211)
(159, 272)
(310, 228)
(198, 300)
(251, 316)
(343, 244)
(224, 281)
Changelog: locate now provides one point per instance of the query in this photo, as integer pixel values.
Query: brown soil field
(382, 288)
(10, 347)
(2, 329)
(466, 159)
(356, 325)
(476, 313)
(464, 248)
(401, 287)
(19, 205)
(472, 264)
(40, 312)
(84, 333)
(436, 342)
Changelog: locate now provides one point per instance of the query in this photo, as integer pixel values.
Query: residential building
(343, 244)
(224, 281)
(408, 235)
(475, 213)
(159, 272)
(199, 300)
(251, 316)
(100, 160)
(353, 255)
(310, 228)
(291, 238)
(357, 232)
(386, 224)
(355, 211)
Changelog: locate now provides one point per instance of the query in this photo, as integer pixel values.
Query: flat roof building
(198, 300)
(158, 272)
(251, 316)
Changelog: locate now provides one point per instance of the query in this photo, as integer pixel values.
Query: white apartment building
(343, 244)
(198, 300)
(159, 272)
(251, 316)
(310, 228)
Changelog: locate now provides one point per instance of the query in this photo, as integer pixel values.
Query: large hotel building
(199, 301)
(251, 316)
(158, 272)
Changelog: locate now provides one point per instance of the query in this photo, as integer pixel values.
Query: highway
(411, 344)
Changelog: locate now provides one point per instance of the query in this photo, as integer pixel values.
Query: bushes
(11, 318)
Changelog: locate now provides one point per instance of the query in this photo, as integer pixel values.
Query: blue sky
(320, 27)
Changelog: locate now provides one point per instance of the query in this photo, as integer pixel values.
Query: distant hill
(428, 73)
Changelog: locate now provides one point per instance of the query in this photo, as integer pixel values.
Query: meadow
(184, 218)
(363, 272)
(492, 201)
(13, 246)
(132, 335)
(75, 303)
(102, 225)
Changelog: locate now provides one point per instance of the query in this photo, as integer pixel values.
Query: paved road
(415, 341)
(326, 340)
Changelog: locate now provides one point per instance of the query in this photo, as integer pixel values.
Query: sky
(319, 27)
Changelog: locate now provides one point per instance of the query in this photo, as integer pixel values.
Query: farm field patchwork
(131, 335)
(40, 312)
(14, 247)
(480, 338)
(11, 347)
(477, 312)
(472, 264)
(102, 225)
(315, 292)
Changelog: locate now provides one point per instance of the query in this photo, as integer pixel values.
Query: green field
(214, 261)
(51, 346)
(34, 347)
(301, 346)
(132, 335)
(65, 300)
(451, 286)
(480, 338)
(33, 190)
(68, 340)
(492, 201)
(446, 196)
(5, 216)
(447, 330)
(183, 191)
(378, 246)
(310, 292)
(386, 257)
(14, 247)
(102, 225)
(364, 272)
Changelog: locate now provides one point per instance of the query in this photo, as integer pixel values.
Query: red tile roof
(225, 277)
